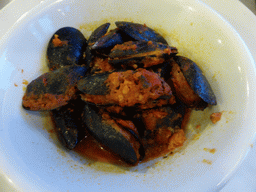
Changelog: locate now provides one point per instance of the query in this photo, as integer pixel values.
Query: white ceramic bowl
(31, 157)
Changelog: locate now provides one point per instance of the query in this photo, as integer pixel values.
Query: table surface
(245, 177)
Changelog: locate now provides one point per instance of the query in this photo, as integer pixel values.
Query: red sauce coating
(57, 42)
(94, 150)
(25, 82)
(148, 60)
(45, 81)
(215, 117)
(182, 89)
(151, 117)
(129, 88)
(115, 109)
(126, 46)
(140, 88)
(164, 143)
(100, 65)
(46, 101)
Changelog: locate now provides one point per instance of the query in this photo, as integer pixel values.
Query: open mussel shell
(126, 89)
(140, 32)
(66, 47)
(53, 89)
(182, 89)
(107, 132)
(68, 123)
(196, 79)
(145, 53)
(165, 117)
(98, 33)
(109, 40)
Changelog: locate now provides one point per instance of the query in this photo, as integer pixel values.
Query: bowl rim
(4, 39)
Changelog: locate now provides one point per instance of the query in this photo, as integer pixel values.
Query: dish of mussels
(126, 90)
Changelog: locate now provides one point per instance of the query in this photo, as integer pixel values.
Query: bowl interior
(33, 156)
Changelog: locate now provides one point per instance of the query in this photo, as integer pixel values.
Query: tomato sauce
(93, 150)
(46, 101)
(129, 88)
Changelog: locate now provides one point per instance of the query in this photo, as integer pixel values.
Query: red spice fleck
(167, 51)
(15, 85)
(198, 126)
(215, 117)
(207, 161)
(177, 140)
(150, 42)
(69, 59)
(45, 82)
(210, 150)
(51, 131)
(57, 42)
(25, 82)
(135, 66)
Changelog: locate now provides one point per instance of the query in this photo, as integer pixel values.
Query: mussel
(98, 33)
(165, 117)
(196, 79)
(66, 47)
(69, 124)
(100, 65)
(145, 53)
(53, 89)
(140, 32)
(126, 87)
(109, 40)
(189, 84)
(109, 133)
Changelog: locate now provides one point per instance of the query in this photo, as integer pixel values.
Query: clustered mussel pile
(127, 87)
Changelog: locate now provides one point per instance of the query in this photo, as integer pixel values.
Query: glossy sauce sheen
(93, 150)
(90, 148)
